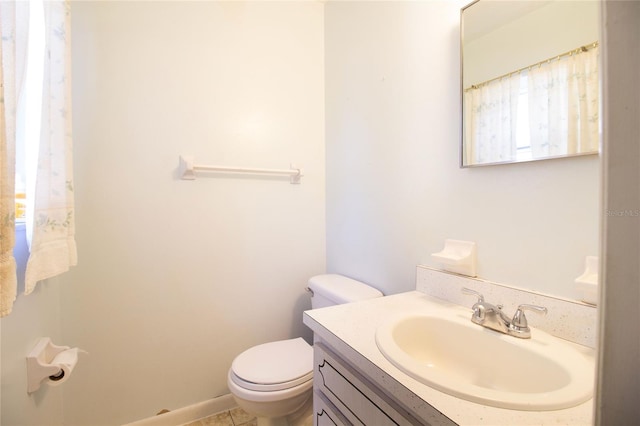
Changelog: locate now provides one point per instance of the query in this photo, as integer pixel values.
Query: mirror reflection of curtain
(493, 110)
(563, 105)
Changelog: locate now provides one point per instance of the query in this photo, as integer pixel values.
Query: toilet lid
(275, 365)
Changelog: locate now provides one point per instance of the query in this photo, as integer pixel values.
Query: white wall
(177, 277)
(33, 317)
(394, 188)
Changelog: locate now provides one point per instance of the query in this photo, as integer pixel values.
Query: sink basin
(449, 353)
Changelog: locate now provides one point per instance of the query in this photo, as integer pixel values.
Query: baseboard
(190, 413)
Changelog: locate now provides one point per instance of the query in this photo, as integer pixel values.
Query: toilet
(274, 381)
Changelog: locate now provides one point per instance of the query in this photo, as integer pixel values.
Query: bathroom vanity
(343, 395)
(355, 384)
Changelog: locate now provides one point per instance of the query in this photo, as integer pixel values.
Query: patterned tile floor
(234, 417)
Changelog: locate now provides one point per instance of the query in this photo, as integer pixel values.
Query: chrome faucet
(492, 317)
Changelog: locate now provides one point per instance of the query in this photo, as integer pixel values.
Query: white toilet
(274, 381)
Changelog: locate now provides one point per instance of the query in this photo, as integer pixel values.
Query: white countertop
(350, 330)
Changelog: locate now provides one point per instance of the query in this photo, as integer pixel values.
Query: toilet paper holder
(41, 365)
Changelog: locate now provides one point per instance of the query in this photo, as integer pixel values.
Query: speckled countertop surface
(350, 330)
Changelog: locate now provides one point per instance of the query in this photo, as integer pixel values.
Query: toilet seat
(274, 366)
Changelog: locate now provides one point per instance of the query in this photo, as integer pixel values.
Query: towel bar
(187, 170)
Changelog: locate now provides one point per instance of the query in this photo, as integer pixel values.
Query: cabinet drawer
(325, 413)
(352, 394)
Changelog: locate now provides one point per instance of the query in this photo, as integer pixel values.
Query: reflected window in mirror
(523, 97)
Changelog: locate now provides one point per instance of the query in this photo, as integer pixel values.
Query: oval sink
(455, 356)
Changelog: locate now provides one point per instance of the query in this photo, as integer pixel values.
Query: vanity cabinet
(354, 383)
(343, 396)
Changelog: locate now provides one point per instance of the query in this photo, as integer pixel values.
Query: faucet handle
(520, 320)
(480, 297)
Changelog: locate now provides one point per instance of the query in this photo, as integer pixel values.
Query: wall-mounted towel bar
(187, 170)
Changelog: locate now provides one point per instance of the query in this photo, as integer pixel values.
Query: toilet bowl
(274, 381)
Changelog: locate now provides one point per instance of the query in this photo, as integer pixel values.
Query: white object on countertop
(458, 256)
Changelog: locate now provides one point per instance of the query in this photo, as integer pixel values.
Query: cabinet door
(352, 394)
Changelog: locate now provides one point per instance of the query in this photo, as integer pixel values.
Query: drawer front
(325, 413)
(352, 394)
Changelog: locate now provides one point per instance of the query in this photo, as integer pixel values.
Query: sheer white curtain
(13, 49)
(53, 246)
(493, 108)
(563, 105)
(51, 220)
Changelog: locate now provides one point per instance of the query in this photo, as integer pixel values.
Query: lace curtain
(561, 96)
(51, 221)
(563, 105)
(53, 246)
(493, 108)
(13, 27)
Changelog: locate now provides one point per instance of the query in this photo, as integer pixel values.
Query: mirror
(529, 80)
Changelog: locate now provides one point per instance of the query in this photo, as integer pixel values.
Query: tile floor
(234, 417)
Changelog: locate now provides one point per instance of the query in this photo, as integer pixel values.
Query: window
(29, 115)
(523, 135)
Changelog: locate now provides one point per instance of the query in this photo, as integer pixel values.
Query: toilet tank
(333, 289)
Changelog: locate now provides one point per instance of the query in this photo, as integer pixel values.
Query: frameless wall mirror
(530, 82)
